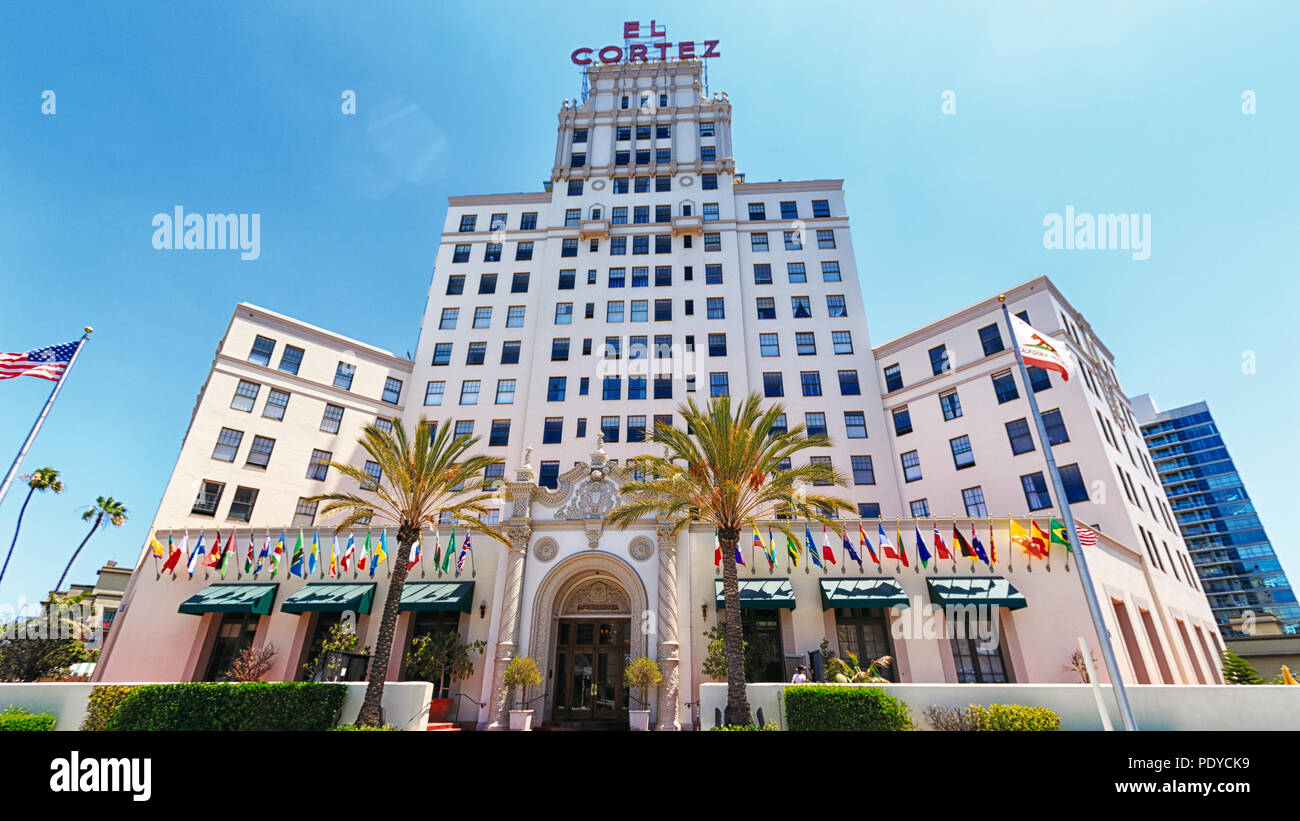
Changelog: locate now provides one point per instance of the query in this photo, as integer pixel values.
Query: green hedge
(20, 719)
(1014, 717)
(230, 707)
(732, 728)
(844, 707)
(101, 705)
(361, 728)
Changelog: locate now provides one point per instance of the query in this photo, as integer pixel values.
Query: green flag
(1058, 534)
(451, 548)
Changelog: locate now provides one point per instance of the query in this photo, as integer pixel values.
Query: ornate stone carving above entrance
(545, 549)
(596, 597)
(591, 499)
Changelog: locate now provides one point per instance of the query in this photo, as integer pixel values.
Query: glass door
(589, 661)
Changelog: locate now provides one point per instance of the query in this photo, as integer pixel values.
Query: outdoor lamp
(482, 609)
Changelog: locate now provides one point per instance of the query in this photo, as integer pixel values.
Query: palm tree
(727, 471)
(42, 480)
(104, 507)
(420, 482)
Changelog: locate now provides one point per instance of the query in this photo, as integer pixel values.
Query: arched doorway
(587, 625)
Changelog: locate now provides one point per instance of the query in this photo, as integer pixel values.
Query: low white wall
(406, 704)
(1155, 706)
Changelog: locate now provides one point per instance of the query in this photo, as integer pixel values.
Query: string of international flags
(306, 559)
(1034, 543)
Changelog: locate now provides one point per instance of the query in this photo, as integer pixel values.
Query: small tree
(442, 659)
(850, 672)
(1236, 670)
(1077, 666)
(642, 674)
(522, 672)
(252, 663)
(340, 638)
(715, 659)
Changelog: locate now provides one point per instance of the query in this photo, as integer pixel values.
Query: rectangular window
(902, 421)
(492, 253)
(939, 359)
(548, 475)
(519, 283)
(1004, 385)
(569, 247)
(505, 392)
(332, 419)
(614, 312)
(510, 353)
(796, 272)
(456, 285)
(276, 403)
(868, 510)
(663, 275)
(821, 208)
(789, 210)
(392, 391)
(709, 182)
(990, 339)
(291, 359)
(482, 317)
(528, 221)
(663, 183)
(609, 425)
(663, 387)
(343, 376)
(209, 496)
(973, 498)
(636, 387)
(555, 388)
(1039, 379)
(467, 222)
(710, 212)
(460, 253)
(762, 273)
(464, 427)
(714, 306)
(757, 211)
(318, 468)
(801, 306)
(515, 316)
(500, 433)
(612, 388)
(950, 404)
(919, 508)
(477, 353)
(1035, 487)
(620, 185)
(766, 307)
(779, 427)
(842, 342)
(815, 423)
(227, 444)
(564, 313)
(523, 251)
(855, 424)
(447, 322)
(793, 240)
(617, 277)
(577, 159)
(262, 350)
(713, 242)
(1018, 435)
(560, 350)
(708, 153)
(962, 455)
(717, 344)
(641, 185)
(811, 383)
(830, 272)
(769, 344)
(713, 274)
(1075, 489)
(758, 241)
(640, 244)
(825, 239)
(849, 383)
(433, 393)
(773, 385)
(552, 430)
(718, 384)
(245, 396)
(636, 429)
(911, 466)
(1055, 425)
(893, 378)
(575, 188)
(241, 507)
(863, 472)
(469, 390)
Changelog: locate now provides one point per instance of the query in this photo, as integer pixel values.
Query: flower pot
(438, 709)
(521, 719)
(638, 719)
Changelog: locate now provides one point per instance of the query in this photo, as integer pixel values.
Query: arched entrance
(587, 620)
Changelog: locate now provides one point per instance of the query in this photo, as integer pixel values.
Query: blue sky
(1102, 106)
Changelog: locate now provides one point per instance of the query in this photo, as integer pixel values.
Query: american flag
(1087, 536)
(46, 363)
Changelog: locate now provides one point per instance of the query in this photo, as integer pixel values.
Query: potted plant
(522, 673)
(642, 674)
(443, 660)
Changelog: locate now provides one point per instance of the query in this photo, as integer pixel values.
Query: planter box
(638, 719)
(521, 719)
(438, 709)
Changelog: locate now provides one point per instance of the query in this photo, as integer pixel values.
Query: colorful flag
(265, 554)
(252, 548)
(898, 537)
(940, 547)
(1021, 537)
(158, 551)
(381, 552)
(769, 552)
(979, 548)
(963, 547)
(1041, 540)
(993, 546)
(827, 553)
(886, 549)
(277, 554)
(848, 548)
(174, 554)
(1036, 350)
(792, 549)
(465, 549)
(214, 553)
(1087, 536)
(865, 544)
(364, 555)
(348, 553)
(45, 363)
(313, 554)
(717, 551)
(812, 549)
(451, 548)
(333, 568)
(295, 561)
(415, 557)
(227, 553)
(437, 549)
(1058, 534)
(921, 552)
(193, 561)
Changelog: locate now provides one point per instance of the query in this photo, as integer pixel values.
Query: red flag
(1040, 540)
(214, 553)
(827, 553)
(170, 564)
(941, 549)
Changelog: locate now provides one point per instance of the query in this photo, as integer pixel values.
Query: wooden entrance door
(590, 655)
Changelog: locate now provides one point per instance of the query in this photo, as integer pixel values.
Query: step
(442, 727)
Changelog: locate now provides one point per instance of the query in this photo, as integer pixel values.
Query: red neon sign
(659, 48)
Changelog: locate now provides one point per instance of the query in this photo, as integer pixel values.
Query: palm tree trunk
(18, 527)
(371, 715)
(77, 552)
(733, 644)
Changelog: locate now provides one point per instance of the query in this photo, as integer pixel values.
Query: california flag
(1035, 349)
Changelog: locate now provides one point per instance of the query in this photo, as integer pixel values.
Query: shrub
(101, 706)
(724, 728)
(841, 707)
(230, 707)
(948, 719)
(995, 718)
(20, 719)
(361, 728)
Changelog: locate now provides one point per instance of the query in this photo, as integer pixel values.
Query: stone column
(519, 533)
(669, 647)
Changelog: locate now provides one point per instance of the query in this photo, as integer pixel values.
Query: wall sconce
(482, 609)
(704, 611)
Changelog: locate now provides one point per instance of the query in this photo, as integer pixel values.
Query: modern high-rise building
(1238, 567)
(563, 325)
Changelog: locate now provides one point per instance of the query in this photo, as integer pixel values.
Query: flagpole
(40, 419)
(1085, 575)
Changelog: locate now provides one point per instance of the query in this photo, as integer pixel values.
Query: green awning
(437, 596)
(877, 592)
(760, 594)
(331, 597)
(987, 590)
(232, 598)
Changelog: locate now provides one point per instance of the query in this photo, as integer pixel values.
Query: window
(456, 285)
(318, 468)
(1004, 385)
(549, 475)
(973, 498)
(793, 240)
(636, 387)
(663, 275)
(1035, 487)
(510, 353)
(528, 220)
(569, 247)
(304, 513)
(796, 272)
(950, 404)
(855, 424)
(710, 212)
(624, 132)
(830, 272)
(893, 378)
(758, 241)
(560, 350)
(433, 393)
(209, 496)
(609, 426)
(245, 396)
(801, 306)
(227, 444)
(825, 239)
(491, 253)
(962, 456)
(582, 428)
(849, 383)
(262, 350)
(714, 306)
(757, 211)
(991, 339)
(241, 507)
(614, 312)
(447, 321)
(811, 383)
(869, 510)
(291, 359)
(768, 344)
(779, 427)
(706, 129)
(477, 353)
(1075, 489)
(713, 242)
(332, 419)
(789, 211)
(919, 508)
(617, 277)
(641, 215)
(762, 273)
(977, 661)
(577, 159)
(821, 208)
(515, 316)
(939, 359)
(467, 222)
(640, 244)
(709, 182)
(461, 253)
(1039, 380)
(556, 388)
(773, 385)
(708, 153)
(821, 460)
(713, 274)
(815, 423)
(640, 310)
(911, 466)
(392, 390)
(842, 342)
(1055, 425)
(663, 183)
(500, 434)
(469, 390)
(464, 427)
(259, 453)
(643, 156)
(564, 313)
(1019, 436)
(663, 131)
(612, 388)
(343, 376)
(902, 421)
(717, 344)
(636, 429)
(482, 317)
(575, 188)
(766, 307)
(620, 185)
(276, 403)
(617, 246)
(552, 430)
(863, 472)
(519, 282)
(718, 385)
(641, 185)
